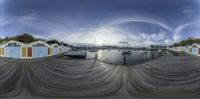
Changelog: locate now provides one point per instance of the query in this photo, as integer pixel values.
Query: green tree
(26, 38)
(1, 40)
(186, 42)
(53, 41)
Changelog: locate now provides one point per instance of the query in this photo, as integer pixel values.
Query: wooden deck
(168, 76)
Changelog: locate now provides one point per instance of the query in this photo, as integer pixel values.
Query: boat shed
(64, 49)
(1, 50)
(55, 49)
(180, 48)
(13, 49)
(195, 49)
(38, 49)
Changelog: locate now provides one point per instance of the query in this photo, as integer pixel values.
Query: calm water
(115, 56)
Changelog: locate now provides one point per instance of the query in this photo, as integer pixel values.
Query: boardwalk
(168, 76)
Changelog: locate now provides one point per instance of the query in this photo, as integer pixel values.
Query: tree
(1, 40)
(186, 42)
(176, 44)
(53, 41)
(25, 38)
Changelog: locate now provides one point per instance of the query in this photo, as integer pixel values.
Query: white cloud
(188, 11)
(109, 34)
(28, 18)
(139, 19)
(179, 30)
(3, 21)
(168, 42)
(100, 36)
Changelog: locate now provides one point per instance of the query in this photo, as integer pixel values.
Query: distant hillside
(27, 38)
(1, 40)
(186, 42)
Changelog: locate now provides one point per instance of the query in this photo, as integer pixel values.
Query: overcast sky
(144, 22)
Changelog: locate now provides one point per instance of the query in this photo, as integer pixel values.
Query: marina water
(116, 57)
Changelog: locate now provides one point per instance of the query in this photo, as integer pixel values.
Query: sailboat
(94, 49)
(127, 51)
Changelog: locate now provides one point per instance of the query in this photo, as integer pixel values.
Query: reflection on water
(115, 56)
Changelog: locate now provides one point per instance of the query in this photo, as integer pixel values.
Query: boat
(127, 52)
(93, 50)
(145, 52)
(76, 54)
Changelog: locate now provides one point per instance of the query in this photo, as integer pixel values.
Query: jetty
(167, 76)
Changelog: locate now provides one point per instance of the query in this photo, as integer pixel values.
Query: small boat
(76, 54)
(93, 50)
(126, 52)
(145, 52)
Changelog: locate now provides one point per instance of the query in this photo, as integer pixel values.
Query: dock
(167, 76)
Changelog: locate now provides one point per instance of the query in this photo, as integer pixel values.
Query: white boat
(93, 50)
(128, 52)
(76, 54)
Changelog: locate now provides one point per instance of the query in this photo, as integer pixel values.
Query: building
(188, 49)
(195, 49)
(55, 49)
(180, 48)
(64, 49)
(157, 47)
(1, 51)
(12, 49)
(38, 49)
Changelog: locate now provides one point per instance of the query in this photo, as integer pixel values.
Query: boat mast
(127, 41)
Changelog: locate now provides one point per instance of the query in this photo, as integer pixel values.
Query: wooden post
(124, 59)
(152, 54)
(96, 56)
(85, 54)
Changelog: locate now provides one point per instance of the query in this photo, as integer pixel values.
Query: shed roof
(36, 42)
(195, 44)
(54, 45)
(12, 41)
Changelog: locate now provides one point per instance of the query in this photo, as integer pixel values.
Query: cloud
(179, 31)
(3, 22)
(28, 18)
(110, 34)
(139, 19)
(107, 33)
(188, 11)
(103, 35)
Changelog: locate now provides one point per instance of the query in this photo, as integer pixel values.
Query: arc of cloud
(176, 31)
(137, 19)
(181, 27)
(146, 20)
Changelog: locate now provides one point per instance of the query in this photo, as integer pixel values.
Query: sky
(102, 22)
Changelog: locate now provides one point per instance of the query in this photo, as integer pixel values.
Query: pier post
(96, 56)
(152, 54)
(85, 54)
(124, 60)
